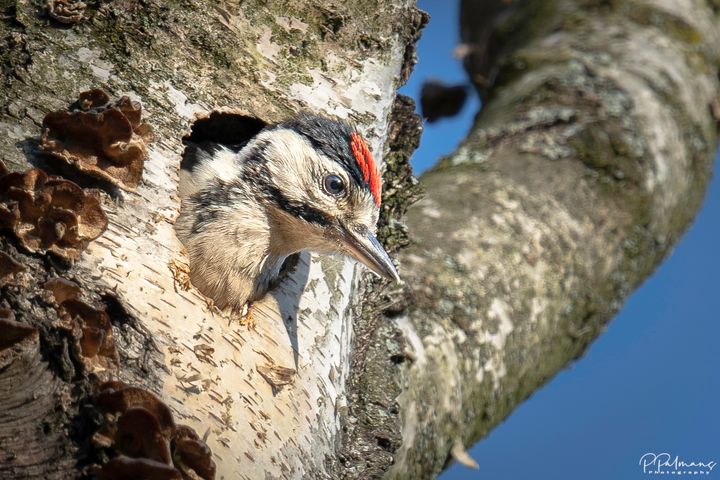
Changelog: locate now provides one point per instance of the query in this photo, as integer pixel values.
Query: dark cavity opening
(231, 130)
(384, 443)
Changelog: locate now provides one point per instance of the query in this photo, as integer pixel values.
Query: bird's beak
(360, 243)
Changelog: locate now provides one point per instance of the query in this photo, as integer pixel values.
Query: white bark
(209, 366)
(305, 324)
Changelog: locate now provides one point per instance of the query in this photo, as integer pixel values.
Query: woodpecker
(309, 183)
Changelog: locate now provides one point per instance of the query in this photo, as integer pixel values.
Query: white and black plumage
(309, 183)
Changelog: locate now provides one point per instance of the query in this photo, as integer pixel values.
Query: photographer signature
(664, 463)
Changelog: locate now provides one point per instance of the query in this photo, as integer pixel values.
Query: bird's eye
(334, 185)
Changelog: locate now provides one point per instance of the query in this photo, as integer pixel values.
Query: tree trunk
(586, 164)
(183, 60)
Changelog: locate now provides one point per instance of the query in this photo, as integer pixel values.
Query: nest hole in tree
(233, 131)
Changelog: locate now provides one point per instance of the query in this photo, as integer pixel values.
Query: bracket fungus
(8, 268)
(191, 455)
(139, 427)
(15, 337)
(50, 214)
(89, 327)
(123, 468)
(100, 138)
(66, 11)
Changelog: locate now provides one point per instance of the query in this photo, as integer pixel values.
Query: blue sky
(651, 383)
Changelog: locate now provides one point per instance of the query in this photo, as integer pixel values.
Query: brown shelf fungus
(50, 214)
(89, 327)
(100, 138)
(66, 11)
(140, 429)
(8, 268)
(123, 468)
(15, 337)
(191, 455)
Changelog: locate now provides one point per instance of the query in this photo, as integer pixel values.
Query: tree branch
(588, 161)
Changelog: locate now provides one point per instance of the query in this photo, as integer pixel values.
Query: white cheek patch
(299, 168)
(221, 164)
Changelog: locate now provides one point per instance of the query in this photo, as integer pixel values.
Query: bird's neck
(266, 244)
(286, 236)
(255, 258)
(268, 272)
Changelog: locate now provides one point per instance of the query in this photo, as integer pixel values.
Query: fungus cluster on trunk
(50, 214)
(101, 138)
(8, 268)
(140, 432)
(88, 327)
(15, 335)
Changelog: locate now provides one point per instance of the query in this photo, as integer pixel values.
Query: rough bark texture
(183, 60)
(586, 164)
(588, 161)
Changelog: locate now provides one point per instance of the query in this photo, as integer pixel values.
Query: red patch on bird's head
(370, 171)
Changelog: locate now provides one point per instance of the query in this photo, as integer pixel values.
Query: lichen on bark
(182, 60)
(371, 425)
(562, 199)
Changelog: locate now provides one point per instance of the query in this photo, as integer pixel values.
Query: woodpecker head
(309, 183)
(322, 189)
